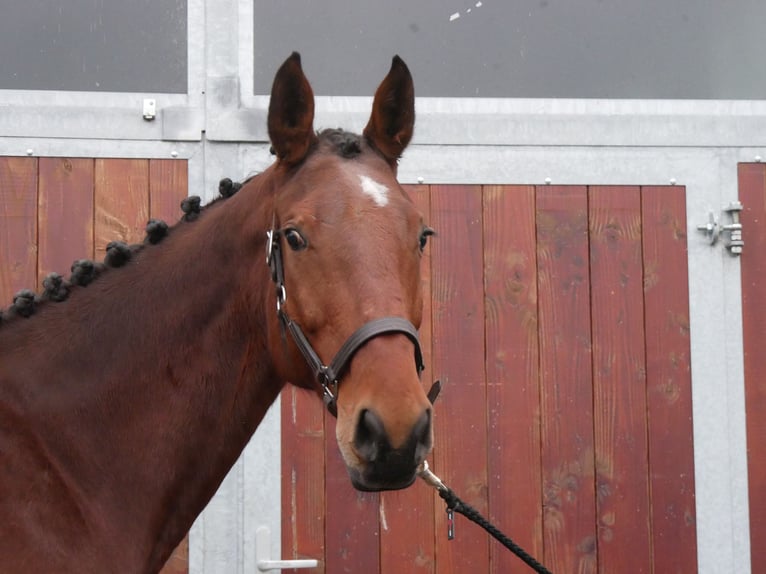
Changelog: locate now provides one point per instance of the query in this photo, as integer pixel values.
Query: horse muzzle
(382, 466)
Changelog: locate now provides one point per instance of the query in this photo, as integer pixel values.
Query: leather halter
(329, 376)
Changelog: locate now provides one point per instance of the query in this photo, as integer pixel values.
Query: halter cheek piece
(328, 376)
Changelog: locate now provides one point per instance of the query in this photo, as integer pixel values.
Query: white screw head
(420, 180)
(672, 181)
(757, 159)
(30, 151)
(174, 153)
(547, 181)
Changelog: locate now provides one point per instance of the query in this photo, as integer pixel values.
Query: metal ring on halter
(281, 297)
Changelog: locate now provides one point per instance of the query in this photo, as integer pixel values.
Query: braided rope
(457, 505)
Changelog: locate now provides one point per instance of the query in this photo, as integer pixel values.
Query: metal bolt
(757, 159)
(547, 181)
(420, 180)
(174, 153)
(30, 151)
(672, 181)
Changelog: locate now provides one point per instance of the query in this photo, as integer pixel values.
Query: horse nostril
(422, 435)
(370, 435)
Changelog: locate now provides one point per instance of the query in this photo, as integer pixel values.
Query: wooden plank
(619, 380)
(121, 201)
(351, 517)
(18, 226)
(513, 392)
(460, 455)
(566, 395)
(303, 481)
(168, 186)
(407, 520)
(752, 194)
(668, 376)
(65, 214)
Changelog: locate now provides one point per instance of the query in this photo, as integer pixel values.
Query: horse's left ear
(291, 112)
(393, 112)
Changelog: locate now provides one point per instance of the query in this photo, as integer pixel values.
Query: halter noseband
(329, 375)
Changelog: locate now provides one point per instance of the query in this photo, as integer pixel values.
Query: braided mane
(57, 289)
(84, 271)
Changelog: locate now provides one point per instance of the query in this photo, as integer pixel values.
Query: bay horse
(123, 404)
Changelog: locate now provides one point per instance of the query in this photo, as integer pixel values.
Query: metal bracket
(713, 229)
(149, 109)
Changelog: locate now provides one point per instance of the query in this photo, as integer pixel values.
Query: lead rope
(454, 504)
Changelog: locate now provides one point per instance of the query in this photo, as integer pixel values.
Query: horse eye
(424, 235)
(295, 240)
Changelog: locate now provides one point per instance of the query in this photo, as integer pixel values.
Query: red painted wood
(65, 214)
(351, 517)
(121, 201)
(303, 484)
(752, 194)
(513, 391)
(668, 375)
(565, 372)
(406, 516)
(460, 455)
(168, 186)
(619, 380)
(18, 226)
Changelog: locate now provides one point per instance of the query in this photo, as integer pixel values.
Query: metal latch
(713, 229)
(263, 551)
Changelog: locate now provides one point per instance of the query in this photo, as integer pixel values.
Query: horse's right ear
(291, 112)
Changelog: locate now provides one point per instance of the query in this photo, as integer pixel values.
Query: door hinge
(713, 229)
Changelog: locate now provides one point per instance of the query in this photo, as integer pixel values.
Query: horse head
(345, 250)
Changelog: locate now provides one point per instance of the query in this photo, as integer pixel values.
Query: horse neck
(148, 384)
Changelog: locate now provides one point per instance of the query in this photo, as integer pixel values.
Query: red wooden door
(558, 322)
(56, 210)
(752, 194)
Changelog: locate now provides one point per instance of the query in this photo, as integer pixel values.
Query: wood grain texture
(619, 380)
(752, 194)
(65, 213)
(513, 391)
(303, 482)
(351, 517)
(121, 201)
(18, 226)
(460, 455)
(570, 543)
(168, 187)
(406, 516)
(668, 374)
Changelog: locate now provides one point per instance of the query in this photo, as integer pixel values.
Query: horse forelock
(346, 144)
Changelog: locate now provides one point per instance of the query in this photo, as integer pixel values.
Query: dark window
(689, 49)
(94, 45)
